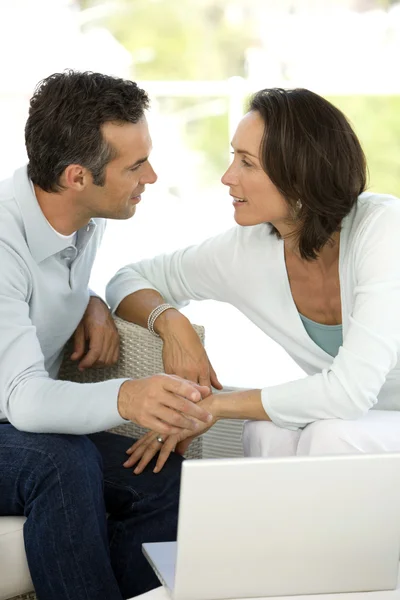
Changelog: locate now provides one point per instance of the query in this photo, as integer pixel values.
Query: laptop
(256, 527)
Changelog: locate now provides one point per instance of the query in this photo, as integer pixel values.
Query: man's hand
(183, 352)
(163, 403)
(146, 448)
(98, 332)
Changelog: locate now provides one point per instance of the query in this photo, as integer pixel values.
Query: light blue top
(327, 337)
(43, 296)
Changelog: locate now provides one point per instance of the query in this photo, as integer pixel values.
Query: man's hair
(66, 114)
(311, 153)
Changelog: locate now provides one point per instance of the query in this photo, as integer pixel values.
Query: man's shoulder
(6, 191)
(11, 223)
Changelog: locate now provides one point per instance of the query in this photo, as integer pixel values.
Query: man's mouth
(137, 197)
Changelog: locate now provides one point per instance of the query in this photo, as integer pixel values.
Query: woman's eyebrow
(240, 151)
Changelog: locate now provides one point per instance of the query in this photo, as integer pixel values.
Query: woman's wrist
(169, 321)
(244, 404)
(211, 404)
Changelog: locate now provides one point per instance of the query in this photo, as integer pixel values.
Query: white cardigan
(245, 266)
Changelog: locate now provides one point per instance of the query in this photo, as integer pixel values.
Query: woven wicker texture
(140, 356)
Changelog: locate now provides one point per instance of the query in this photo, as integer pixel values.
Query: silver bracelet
(156, 312)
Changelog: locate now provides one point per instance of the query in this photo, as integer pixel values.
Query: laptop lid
(272, 527)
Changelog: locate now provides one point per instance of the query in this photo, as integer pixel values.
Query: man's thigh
(31, 462)
(123, 490)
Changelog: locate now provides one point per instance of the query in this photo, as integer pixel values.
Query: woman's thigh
(377, 431)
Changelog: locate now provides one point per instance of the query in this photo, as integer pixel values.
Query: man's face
(126, 175)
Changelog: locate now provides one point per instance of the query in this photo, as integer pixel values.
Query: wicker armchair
(140, 356)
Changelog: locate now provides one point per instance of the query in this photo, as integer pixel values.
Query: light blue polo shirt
(43, 295)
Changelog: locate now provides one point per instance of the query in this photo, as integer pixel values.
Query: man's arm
(32, 401)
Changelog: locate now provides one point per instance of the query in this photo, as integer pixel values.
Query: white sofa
(140, 357)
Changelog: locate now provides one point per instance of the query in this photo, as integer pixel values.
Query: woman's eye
(244, 162)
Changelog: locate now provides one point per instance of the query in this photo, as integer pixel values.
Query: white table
(161, 594)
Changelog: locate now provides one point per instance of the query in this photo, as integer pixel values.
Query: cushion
(14, 573)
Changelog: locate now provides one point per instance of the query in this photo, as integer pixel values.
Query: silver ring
(160, 439)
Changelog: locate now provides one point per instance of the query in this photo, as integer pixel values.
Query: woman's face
(255, 198)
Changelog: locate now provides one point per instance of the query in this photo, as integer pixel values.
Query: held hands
(184, 356)
(164, 403)
(147, 447)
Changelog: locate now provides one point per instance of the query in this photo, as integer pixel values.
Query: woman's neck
(327, 256)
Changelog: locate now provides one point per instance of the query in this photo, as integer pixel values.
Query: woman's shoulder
(372, 210)
(372, 201)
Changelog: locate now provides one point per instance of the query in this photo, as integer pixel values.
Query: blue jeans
(65, 485)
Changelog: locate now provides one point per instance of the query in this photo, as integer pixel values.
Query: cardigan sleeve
(195, 273)
(351, 385)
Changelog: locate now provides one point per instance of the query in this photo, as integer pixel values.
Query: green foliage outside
(376, 120)
(194, 39)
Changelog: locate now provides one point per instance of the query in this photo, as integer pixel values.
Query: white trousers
(378, 431)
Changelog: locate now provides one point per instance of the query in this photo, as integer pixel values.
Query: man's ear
(75, 177)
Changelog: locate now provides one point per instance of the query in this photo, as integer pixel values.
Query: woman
(315, 263)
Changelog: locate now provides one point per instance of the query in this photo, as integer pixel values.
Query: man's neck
(61, 210)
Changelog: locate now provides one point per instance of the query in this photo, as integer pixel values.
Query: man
(88, 147)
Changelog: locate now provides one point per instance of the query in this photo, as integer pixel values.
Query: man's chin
(121, 216)
(128, 213)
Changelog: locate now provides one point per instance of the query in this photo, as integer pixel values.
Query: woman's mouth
(238, 201)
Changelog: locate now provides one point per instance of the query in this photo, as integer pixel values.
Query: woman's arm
(349, 388)
(183, 352)
(199, 272)
(243, 404)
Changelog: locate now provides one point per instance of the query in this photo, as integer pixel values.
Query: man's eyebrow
(138, 162)
(239, 151)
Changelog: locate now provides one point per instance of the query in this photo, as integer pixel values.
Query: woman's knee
(264, 438)
(331, 436)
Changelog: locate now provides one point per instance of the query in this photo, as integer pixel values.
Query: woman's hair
(312, 155)
(66, 115)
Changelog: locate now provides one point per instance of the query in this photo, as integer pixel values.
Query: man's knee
(331, 436)
(70, 458)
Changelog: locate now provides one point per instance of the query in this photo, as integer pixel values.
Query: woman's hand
(146, 448)
(183, 352)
